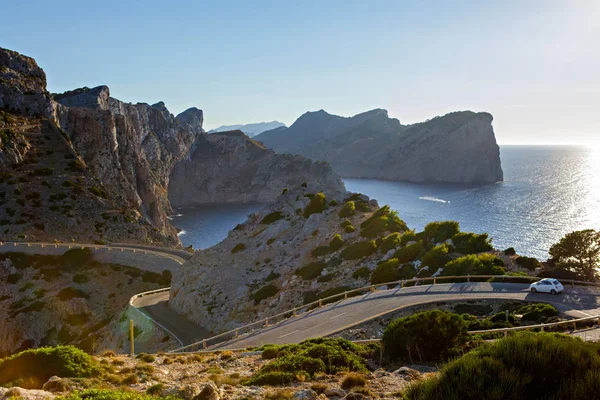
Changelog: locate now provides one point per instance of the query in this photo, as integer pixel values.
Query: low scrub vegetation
(427, 336)
(309, 358)
(238, 247)
(317, 205)
(311, 271)
(409, 253)
(382, 220)
(523, 366)
(272, 217)
(391, 271)
(482, 264)
(30, 369)
(359, 250)
(265, 292)
(438, 232)
(471, 243)
(348, 210)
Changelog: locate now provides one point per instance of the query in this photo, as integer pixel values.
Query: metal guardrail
(121, 247)
(542, 327)
(137, 296)
(265, 322)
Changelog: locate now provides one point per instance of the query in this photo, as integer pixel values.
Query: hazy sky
(535, 65)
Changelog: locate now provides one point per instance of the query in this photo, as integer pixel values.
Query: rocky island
(459, 147)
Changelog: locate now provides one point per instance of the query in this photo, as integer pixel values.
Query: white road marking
(288, 334)
(339, 315)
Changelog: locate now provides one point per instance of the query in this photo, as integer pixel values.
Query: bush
(382, 220)
(436, 257)
(320, 251)
(510, 251)
(353, 379)
(390, 242)
(349, 229)
(391, 271)
(265, 292)
(441, 231)
(272, 217)
(359, 250)
(99, 192)
(362, 272)
(336, 243)
(536, 312)
(30, 369)
(316, 206)
(333, 203)
(523, 366)
(375, 228)
(348, 210)
(309, 358)
(311, 271)
(42, 172)
(409, 253)
(71, 293)
(529, 263)
(346, 223)
(238, 247)
(426, 336)
(270, 352)
(471, 243)
(109, 394)
(484, 264)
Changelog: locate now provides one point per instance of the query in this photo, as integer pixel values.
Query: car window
(547, 283)
(556, 282)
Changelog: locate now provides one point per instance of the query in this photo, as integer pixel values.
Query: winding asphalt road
(578, 302)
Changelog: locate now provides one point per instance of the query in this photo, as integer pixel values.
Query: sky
(533, 64)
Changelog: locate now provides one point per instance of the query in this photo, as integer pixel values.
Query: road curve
(576, 302)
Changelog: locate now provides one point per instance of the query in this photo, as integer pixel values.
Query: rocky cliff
(458, 147)
(131, 148)
(107, 164)
(229, 167)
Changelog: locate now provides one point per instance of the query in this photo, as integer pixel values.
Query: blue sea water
(547, 192)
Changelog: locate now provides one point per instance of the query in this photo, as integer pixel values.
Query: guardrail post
(267, 322)
(131, 337)
(236, 333)
(204, 344)
(434, 281)
(506, 315)
(401, 284)
(468, 278)
(598, 321)
(320, 303)
(294, 314)
(572, 284)
(345, 295)
(505, 333)
(574, 326)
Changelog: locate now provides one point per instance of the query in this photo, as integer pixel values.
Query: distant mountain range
(459, 147)
(250, 129)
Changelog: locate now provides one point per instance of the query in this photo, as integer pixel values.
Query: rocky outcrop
(250, 129)
(131, 148)
(458, 147)
(229, 167)
(223, 287)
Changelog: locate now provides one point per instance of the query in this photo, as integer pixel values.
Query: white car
(547, 285)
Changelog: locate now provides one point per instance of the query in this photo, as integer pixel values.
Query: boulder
(305, 394)
(208, 392)
(408, 373)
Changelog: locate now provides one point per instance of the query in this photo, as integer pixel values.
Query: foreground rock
(459, 147)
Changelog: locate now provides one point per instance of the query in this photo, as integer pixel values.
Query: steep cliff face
(131, 148)
(229, 167)
(47, 191)
(459, 147)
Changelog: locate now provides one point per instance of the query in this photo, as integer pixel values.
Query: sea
(547, 192)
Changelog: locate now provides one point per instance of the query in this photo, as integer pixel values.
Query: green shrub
(99, 192)
(333, 203)
(265, 292)
(526, 278)
(30, 369)
(148, 358)
(529, 263)
(390, 242)
(349, 229)
(523, 366)
(336, 243)
(409, 253)
(320, 251)
(325, 278)
(375, 228)
(270, 352)
(348, 210)
(272, 217)
(484, 264)
(381, 221)
(473, 309)
(272, 276)
(316, 206)
(238, 247)
(284, 191)
(441, 231)
(361, 273)
(346, 223)
(436, 257)
(510, 251)
(311, 271)
(311, 357)
(426, 336)
(69, 293)
(536, 312)
(42, 172)
(387, 271)
(78, 189)
(110, 394)
(359, 250)
(77, 259)
(471, 243)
